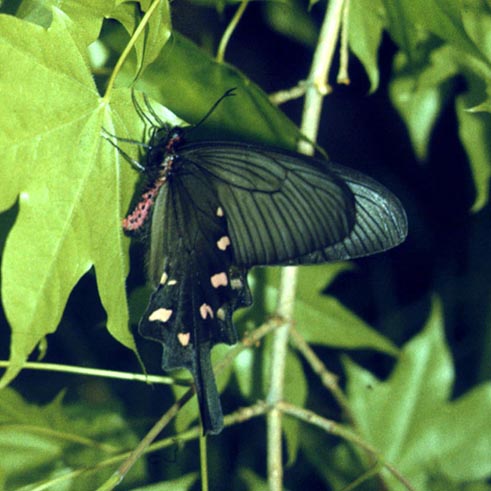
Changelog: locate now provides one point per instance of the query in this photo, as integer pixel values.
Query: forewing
(284, 208)
(278, 207)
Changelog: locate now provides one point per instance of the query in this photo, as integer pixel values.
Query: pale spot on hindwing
(205, 310)
(184, 338)
(221, 314)
(219, 211)
(223, 242)
(172, 282)
(236, 283)
(219, 279)
(163, 278)
(162, 315)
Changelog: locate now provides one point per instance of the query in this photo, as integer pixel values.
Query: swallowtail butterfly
(214, 209)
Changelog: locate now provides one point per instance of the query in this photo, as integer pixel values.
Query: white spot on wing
(221, 314)
(219, 211)
(172, 282)
(184, 338)
(163, 278)
(223, 242)
(205, 310)
(219, 279)
(236, 284)
(162, 315)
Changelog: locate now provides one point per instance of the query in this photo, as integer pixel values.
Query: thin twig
(328, 379)
(153, 433)
(334, 428)
(134, 38)
(96, 372)
(203, 462)
(282, 96)
(230, 29)
(317, 86)
(144, 446)
(343, 75)
(279, 349)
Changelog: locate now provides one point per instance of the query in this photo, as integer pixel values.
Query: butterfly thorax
(161, 160)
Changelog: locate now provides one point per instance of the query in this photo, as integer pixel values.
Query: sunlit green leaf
(474, 131)
(62, 173)
(420, 95)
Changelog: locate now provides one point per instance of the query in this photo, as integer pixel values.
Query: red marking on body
(172, 142)
(141, 212)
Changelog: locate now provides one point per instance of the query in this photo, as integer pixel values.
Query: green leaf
(149, 45)
(252, 481)
(295, 391)
(443, 18)
(63, 175)
(292, 19)
(401, 30)
(474, 131)
(409, 420)
(83, 18)
(366, 25)
(38, 443)
(419, 95)
(188, 81)
(465, 436)
(322, 319)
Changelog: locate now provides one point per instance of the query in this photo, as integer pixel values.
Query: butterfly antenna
(229, 93)
(139, 109)
(155, 116)
(139, 167)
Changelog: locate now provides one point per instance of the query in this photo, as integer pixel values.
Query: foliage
(405, 411)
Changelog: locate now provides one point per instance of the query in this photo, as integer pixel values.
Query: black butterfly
(216, 209)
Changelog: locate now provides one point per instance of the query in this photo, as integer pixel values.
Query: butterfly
(212, 210)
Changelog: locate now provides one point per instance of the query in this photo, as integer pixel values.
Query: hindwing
(197, 285)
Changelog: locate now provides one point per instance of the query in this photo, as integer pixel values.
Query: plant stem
(230, 29)
(134, 38)
(316, 90)
(96, 372)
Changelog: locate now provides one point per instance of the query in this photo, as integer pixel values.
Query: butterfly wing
(197, 285)
(229, 206)
(283, 208)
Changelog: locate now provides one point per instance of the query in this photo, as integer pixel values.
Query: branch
(316, 90)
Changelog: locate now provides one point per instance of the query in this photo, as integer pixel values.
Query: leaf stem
(203, 460)
(317, 86)
(96, 372)
(328, 379)
(316, 90)
(134, 38)
(229, 31)
(337, 429)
